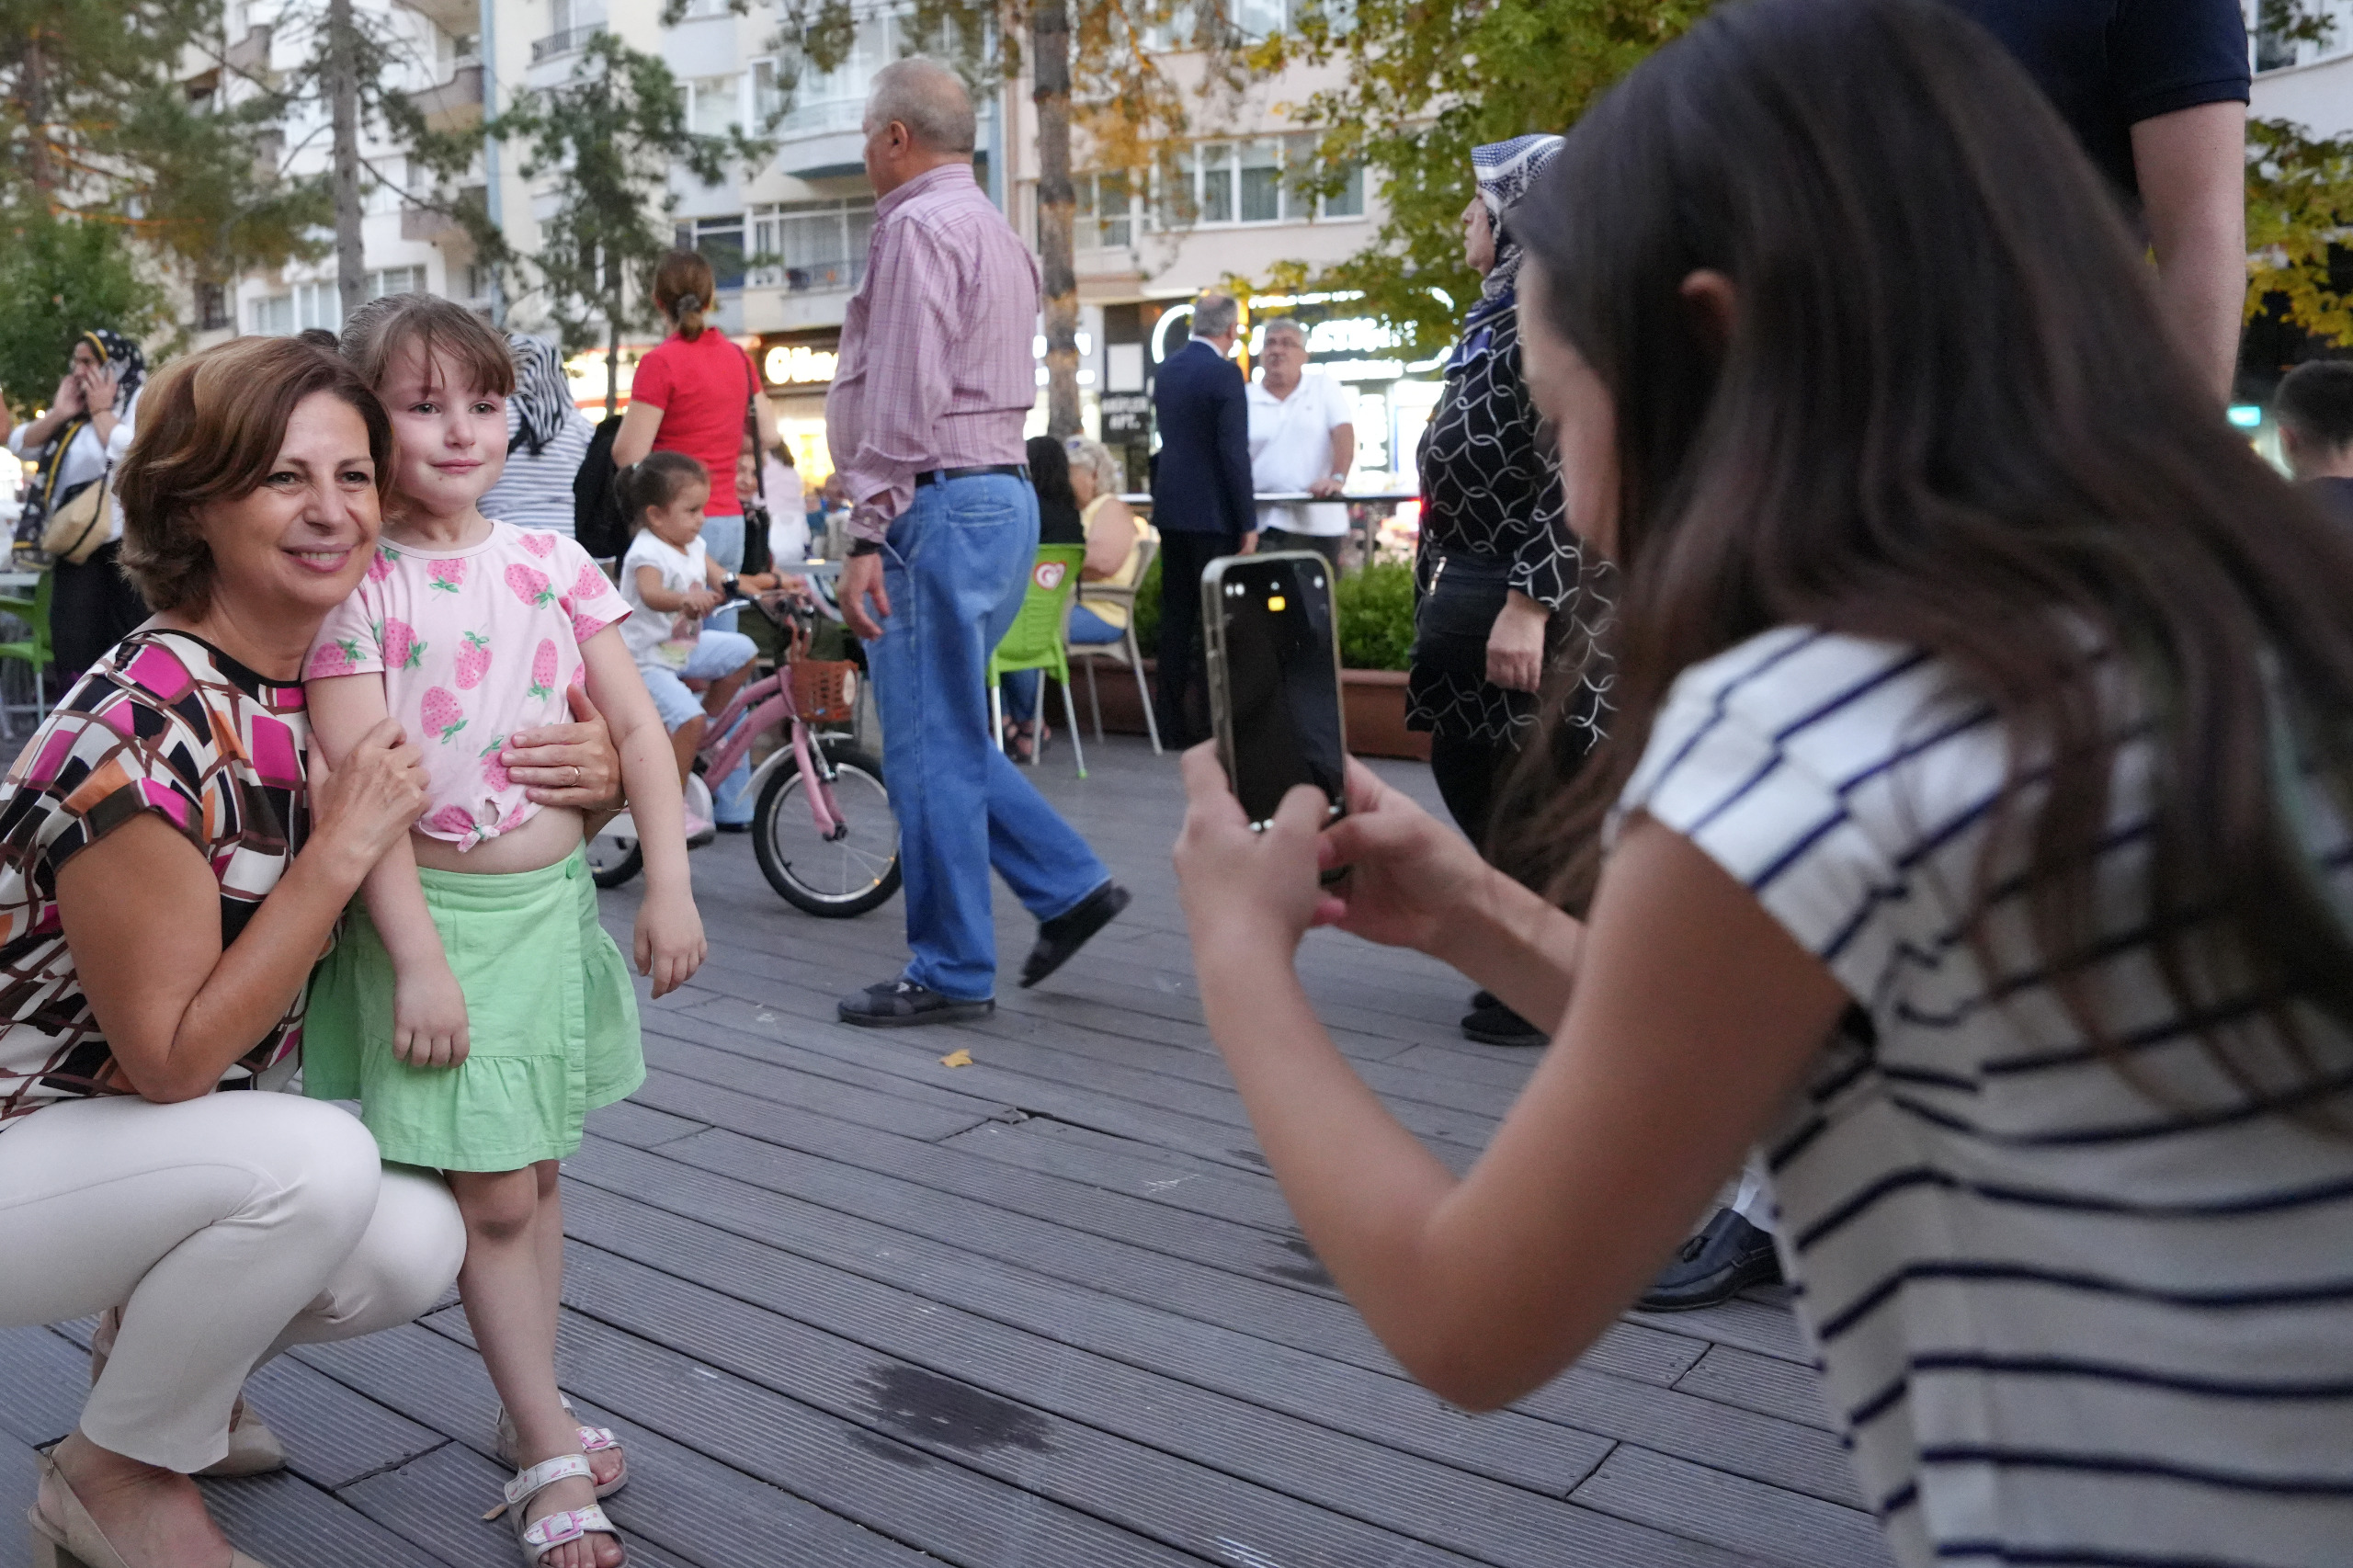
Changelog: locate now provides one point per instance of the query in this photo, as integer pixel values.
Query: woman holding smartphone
(1976, 820)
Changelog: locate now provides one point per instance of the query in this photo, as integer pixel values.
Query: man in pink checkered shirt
(925, 419)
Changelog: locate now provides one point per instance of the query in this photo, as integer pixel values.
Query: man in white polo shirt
(1302, 438)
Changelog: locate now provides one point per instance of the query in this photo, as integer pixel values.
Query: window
(212, 308)
(715, 104)
(318, 304)
(1270, 180)
(811, 246)
(272, 314)
(396, 281)
(767, 95)
(721, 241)
(1107, 212)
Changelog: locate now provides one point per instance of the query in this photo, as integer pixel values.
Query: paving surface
(851, 1308)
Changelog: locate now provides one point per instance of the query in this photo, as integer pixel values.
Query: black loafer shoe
(733, 826)
(1726, 1258)
(1066, 933)
(896, 1003)
(1495, 1024)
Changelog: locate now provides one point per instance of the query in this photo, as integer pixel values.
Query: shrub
(1148, 610)
(1375, 609)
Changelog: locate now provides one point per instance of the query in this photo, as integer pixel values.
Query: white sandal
(593, 1440)
(543, 1535)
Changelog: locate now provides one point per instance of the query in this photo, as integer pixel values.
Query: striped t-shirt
(534, 490)
(2061, 1321)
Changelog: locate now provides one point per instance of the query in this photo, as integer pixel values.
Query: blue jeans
(956, 565)
(1023, 687)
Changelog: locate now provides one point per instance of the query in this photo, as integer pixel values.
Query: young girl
(474, 1007)
(670, 583)
(1976, 806)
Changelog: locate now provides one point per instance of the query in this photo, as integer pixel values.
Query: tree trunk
(1057, 211)
(37, 164)
(343, 94)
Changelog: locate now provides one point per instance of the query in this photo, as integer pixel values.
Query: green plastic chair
(1039, 639)
(33, 650)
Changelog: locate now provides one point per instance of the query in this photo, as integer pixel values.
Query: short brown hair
(685, 289)
(447, 333)
(209, 429)
(657, 481)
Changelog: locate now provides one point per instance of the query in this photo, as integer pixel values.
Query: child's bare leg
(684, 741)
(508, 1302)
(723, 691)
(549, 1236)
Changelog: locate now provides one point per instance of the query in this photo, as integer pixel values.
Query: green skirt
(549, 1007)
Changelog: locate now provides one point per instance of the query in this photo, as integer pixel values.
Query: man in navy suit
(1200, 496)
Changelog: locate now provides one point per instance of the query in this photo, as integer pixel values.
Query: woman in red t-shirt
(691, 395)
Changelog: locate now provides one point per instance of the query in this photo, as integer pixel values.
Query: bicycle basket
(824, 691)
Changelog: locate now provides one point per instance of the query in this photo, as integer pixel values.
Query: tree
(103, 127)
(1425, 84)
(2300, 203)
(611, 134)
(60, 276)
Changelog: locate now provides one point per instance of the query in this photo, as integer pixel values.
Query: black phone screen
(1282, 680)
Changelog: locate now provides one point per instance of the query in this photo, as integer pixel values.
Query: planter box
(1373, 702)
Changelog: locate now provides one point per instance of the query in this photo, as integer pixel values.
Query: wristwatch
(866, 547)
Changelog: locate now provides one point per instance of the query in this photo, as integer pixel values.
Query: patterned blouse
(1491, 487)
(166, 723)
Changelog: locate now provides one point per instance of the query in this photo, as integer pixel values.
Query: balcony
(811, 278)
(454, 104)
(565, 42)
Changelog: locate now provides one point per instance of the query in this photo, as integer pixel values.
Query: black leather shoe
(896, 1003)
(1494, 1024)
(1728, 1256)
(1066, 933)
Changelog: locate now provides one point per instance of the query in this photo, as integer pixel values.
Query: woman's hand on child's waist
(568, 764)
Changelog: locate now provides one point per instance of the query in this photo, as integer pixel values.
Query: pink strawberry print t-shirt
(473, 644)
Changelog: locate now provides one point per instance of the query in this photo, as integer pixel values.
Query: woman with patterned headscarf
(546, 437)
(1497, 575)
(88, 428)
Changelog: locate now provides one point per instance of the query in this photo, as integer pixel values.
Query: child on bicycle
(473, 1005)
(670, 584)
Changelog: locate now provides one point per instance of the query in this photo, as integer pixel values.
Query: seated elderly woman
(171, 863)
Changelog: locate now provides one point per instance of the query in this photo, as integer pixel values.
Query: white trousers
(227, 1227)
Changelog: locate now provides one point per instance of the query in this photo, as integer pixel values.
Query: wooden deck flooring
(851, 1308)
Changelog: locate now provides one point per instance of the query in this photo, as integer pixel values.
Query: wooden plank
(640, 1126)
(775, 1347)
(1379, 1405)
(967, 1181)
(640, 1388)
(1134, 1169)
(843, 1102)
(678, 1508)
(44, 1379)
(332, 1436)
(1768, 1329)
(1743, 1515)
(1141, 1452)
(1790, 1389)
(287, 1523)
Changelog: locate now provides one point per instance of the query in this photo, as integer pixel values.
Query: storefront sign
(794, 365)
(1127, 416)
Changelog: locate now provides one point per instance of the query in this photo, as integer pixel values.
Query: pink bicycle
(822, 828)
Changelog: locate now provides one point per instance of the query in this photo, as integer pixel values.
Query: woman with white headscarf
(546, 437)
(88, 428)
(1498, 573)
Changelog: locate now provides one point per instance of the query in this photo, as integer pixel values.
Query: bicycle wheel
(841, 877)
(613, 855)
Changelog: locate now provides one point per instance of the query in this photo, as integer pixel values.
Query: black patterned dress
(1491, 488)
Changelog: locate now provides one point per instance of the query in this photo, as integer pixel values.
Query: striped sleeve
(1719, 773)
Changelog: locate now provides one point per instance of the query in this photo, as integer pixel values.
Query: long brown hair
(1947, 415)
(685, 289)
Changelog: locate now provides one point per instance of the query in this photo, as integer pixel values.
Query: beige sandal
(254, 1449)
(75, 1542)
(540, 1536)
(593, 1440)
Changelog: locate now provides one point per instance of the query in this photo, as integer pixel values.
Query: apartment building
(787, 238)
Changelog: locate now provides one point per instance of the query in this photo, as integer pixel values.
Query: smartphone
(1274, 675)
